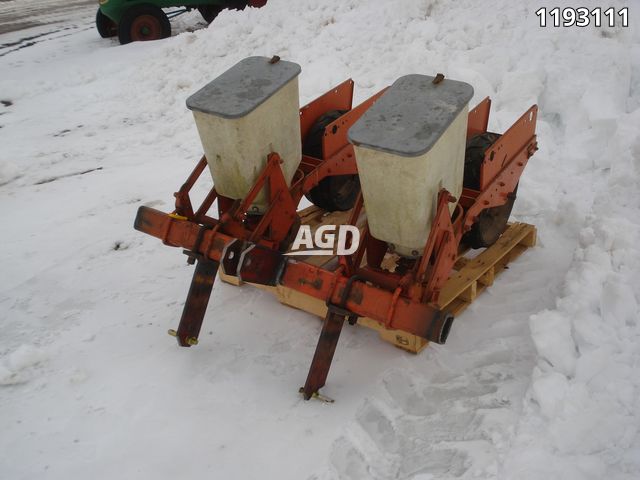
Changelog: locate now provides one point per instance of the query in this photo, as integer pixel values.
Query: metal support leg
(196, 304)
(321, 362)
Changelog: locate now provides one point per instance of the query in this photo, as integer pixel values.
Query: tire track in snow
(29, 41)
(27, 23)
(20, 14)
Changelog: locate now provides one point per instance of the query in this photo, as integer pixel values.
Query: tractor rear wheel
(143, 22)
(106, 27)
(492, 221)
(332, 193)
(209, 12)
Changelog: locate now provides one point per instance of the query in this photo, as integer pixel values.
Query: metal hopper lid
(242, 88)
(410, 117)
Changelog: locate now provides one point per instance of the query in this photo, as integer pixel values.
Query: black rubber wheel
(473, 157)
(492, 221)
(332, 193)
(106, 27)
(209, 12)
(143, 22)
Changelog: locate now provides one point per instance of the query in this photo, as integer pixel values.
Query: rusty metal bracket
(323, 356)
(340, 308)
(196, 303)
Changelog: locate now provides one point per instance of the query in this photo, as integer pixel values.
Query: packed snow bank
(583, 413)
(91, 385)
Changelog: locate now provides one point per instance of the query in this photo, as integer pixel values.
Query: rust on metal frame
(338, 98)
(335, 134)
(478, 121)
(342, 163)
(183, 202)
(365, 300)
(519, 136)
(323, 356)
(196, 303)
(515, 147)
(338, 154)
(441, 248)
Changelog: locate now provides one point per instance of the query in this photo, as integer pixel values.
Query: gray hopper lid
(410, 117)
(242, 88)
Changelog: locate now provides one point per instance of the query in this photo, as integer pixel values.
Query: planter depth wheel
(492, 221)
(335, 193)
(143, 22)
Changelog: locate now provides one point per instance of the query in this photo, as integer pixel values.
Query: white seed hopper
(246, 113)
(409, 145)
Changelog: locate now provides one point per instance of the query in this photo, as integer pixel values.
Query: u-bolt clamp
(341, 308)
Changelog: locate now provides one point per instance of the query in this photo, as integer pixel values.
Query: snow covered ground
(19, 15)
(539, 378)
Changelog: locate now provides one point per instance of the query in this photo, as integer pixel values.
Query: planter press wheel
(332, 193)
(143, 22)
(106, 27)
(209, 12)
(492, 221)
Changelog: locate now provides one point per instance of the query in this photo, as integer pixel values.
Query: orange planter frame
(252, 248)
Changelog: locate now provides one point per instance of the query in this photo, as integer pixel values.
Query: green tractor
(137, 20)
